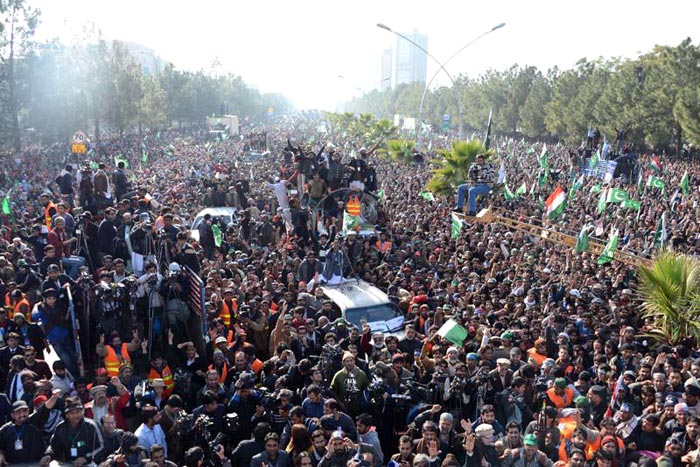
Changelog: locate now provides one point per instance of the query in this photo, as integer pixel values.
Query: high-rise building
(385, 78)
(411, 62)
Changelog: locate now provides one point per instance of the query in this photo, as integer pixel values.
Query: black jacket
(31, 435)
(86, 438)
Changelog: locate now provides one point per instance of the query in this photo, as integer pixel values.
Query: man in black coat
(247, 449)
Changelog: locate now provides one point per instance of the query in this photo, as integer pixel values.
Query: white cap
(174, 267)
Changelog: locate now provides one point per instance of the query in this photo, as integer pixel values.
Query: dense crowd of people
(112, 357)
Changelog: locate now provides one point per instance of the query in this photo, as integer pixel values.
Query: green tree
(532, 115)
(453, 166)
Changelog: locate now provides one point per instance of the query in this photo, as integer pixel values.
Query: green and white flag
(216, 230)
(602, 201)
(453, 332)
(631, 204)
(119, 158)
(595, 158)
(660, 235)
(144, 156)
(609, 251)
(596, 188)
(543, 159)
(582, 240)
(522, 189)
(381, 195)
(617, 195)
(509, 195)
(426, 195)
(456, 227)
(655, 182)
(575, 187)
(350, 222)
(6, 205)
(684, 184)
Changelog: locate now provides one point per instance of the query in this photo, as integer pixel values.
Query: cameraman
(175, 289)
(143, 244)
(150, 299)
(184, 253)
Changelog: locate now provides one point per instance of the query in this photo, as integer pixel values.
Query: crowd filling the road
(137, 333)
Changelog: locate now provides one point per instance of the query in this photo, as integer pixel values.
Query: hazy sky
(299, 48)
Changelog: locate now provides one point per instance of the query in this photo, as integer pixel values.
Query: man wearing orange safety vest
(538, 354)
(49, 211)
(229, 307)
(16, 302)
(116, 353)
(383, 245)
(559, 395)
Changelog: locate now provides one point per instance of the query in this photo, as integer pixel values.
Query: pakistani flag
(456, 226)
(602, 201)
(609, 251)
(575, 187)
(522, 189)
(381, 195)
(543, 159)
(453, 332)
(350, 222)
(224, 136)
(144, 156)
(509, 195)
(593, 164)
(501, 174)
(684, 184)
(555, 203)
(119, 158)
(6, 206)
(617, 195)
(426, 195)
(216, 230)
(655, 164)
(596, 188)
(631, 204)
(487, 141)
(530, 150)
(582, 240)
(660, 235)
(655, 182)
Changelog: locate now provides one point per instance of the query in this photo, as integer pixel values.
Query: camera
(152, 279)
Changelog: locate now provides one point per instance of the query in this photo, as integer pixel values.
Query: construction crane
(487, 216)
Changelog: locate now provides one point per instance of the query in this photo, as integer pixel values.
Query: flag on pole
(602, 201)
(617, 195)
(595, 158)
(6, 205)
(509, 195)
(487, 140)
(144, 156)
(575, 187)
(216, 230)
(381, 195)
(543, 159)
(684, 184)
(522, 189)
(660, 235)
(501, 174)
(119, 158)
(596, 188)
(350, 222)
(655, 182)
(609, 251)
(582, 240)
(453, 332)
(655, 164)
(631, 204)
(555, 203)
(456, 226)
(426, 195)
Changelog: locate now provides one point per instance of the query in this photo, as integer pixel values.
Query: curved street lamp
(455, 86)
(427, 86)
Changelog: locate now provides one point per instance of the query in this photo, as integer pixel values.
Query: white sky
(299, 48)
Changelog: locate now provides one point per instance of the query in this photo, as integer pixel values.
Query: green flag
(487, 141)
(655, 182)
(617, 195)
(684, 184)
(660, 235)
(456, 227)
(216, 230)
(640, 183)
(596, 188)
(576, 186)
(453, 332)
(543, 159)
(224, 136)
(144, 156)
(6, 206)
(94, 165)
(522, 189)
(119, 158)
(632, 204)
(426, 195)
(530, 150)
(381, 195)
(609, 251)
(602, 202)
(593, 164)
(582, 240)
(350, 222)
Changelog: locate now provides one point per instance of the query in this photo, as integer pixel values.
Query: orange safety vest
(113, 361)
(353, 207)
(159, 223)
(538, 358)
(229, 337)
(166, 375)
(222, 374)
(561, 402)
(12, 309)
(47, 215)
(383, 247)
(226, 312)
(256, 366)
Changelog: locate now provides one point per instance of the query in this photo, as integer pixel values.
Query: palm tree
(400, 150)
(453, 168)
(670, 293)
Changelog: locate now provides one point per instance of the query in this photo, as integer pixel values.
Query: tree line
(656, 97)
(49, 90)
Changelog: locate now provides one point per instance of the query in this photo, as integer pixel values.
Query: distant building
(385, 77)
(151, 64)
(411, 62)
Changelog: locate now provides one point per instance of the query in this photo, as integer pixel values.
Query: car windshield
(198, 220)
(386, 317)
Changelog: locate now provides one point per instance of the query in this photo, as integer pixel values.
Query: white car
(228, 215)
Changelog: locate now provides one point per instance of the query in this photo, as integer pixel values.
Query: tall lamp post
(442, 67)
(455, 86)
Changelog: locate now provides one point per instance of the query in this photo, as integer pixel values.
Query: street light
(455, 86)
(427, 86)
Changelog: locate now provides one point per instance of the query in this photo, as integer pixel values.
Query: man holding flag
(481, 175)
